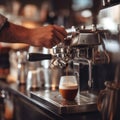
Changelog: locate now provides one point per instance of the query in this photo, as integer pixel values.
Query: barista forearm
(14, 33)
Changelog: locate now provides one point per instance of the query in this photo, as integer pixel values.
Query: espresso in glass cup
(68, 87)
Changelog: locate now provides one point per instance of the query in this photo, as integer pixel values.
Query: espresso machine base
(84, 102)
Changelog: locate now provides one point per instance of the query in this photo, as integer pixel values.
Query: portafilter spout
(57, 59)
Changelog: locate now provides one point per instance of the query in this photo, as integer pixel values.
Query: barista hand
(46, 36)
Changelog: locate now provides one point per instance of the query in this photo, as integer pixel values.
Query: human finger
(59, 37)
(61, 30)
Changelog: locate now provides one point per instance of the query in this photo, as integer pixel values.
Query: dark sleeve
(3, 20)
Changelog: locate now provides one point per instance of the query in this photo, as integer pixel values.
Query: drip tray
(85, 102)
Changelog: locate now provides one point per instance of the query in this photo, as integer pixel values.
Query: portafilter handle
(32, 57)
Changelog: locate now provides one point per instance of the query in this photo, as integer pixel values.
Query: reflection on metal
(85, 102)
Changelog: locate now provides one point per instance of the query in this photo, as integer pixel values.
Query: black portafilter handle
(32, 57)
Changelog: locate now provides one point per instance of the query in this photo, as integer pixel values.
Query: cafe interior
(77, 79)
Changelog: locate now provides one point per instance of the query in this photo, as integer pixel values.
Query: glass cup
(68, 87)
(33, 80)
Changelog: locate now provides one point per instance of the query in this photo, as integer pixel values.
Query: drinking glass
(68, 87)
(33, 80)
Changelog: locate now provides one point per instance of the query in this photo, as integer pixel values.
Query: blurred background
(105, 14)
(33, 13)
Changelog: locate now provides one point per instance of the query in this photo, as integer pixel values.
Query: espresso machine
(82, 47)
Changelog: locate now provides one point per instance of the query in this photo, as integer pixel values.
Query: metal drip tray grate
(86, 102)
